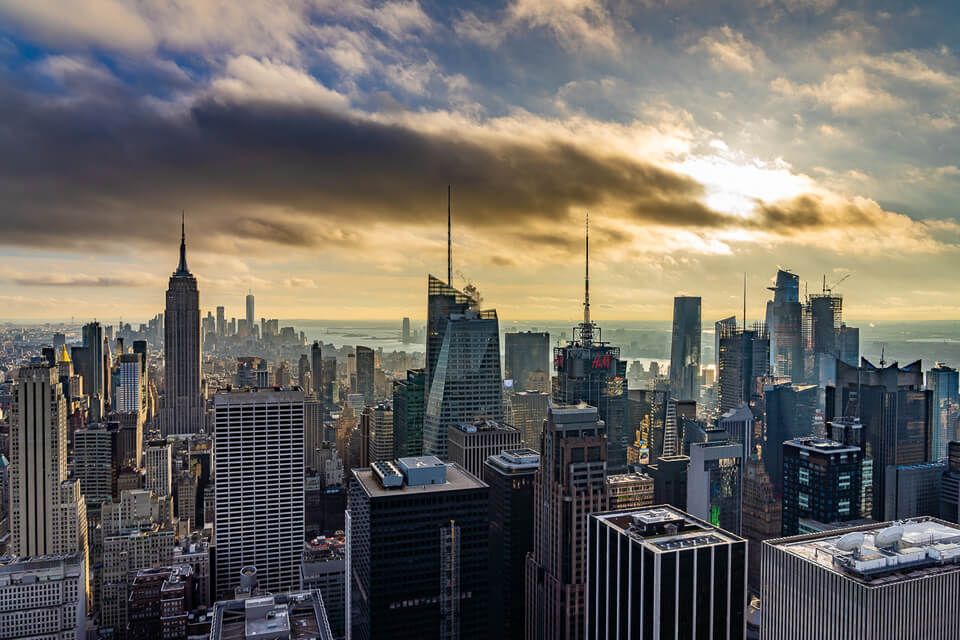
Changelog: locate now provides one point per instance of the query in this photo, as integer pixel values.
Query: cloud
(110, 24)
(846, 92)
(299, 283)
(471, 27)
(577, 24)
(729, 49)
(83, 280)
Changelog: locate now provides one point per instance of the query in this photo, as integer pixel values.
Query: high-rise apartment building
(944, 382)
(662, 574)
(43, 597)
(685, 349)
(528, 410)
(821, 482)
(259, 471)
(570, 484)
(510, 476)
(417, 537)
(894, 411)
(469, 444)
(408, 398)
(365, 374)
(182, 399)
(715, 483)
(131, 384)
(95, 462)
(526, 360)
(882, 581)
(466, 382)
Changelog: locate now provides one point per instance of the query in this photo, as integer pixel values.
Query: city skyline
(810, 134)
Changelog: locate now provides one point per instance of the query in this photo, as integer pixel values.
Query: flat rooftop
(636, 477)
(878, 554)
(821, 445)
(665, 529)
(457, 480)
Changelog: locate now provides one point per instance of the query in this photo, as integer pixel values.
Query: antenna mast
(586, 277)
(449, 241)
(744, 300)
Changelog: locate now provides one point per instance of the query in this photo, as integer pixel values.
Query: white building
(159, 463)
(130, 384)
(43, 597)
(258, 466)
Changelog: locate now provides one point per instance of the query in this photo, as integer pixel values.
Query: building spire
(182, 267)
(586, 277)
(449, 241)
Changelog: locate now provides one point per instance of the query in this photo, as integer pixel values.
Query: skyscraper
(527, 360)
(591, 371)
(715, 483)
(685, 349)
(443, 301)
(158, 458)
(661, 574)
(258, 467)
(417, 536)
(895, 413)
(91, 365)
(95, 463)
(365, 374)
(408, 397)
(821, 482)
(251, 316)
(182, 400)
(510, 476)
(316, 369)
(466, 380)
(129, 397)
(405, 336)
(882, 581)
(469, 444)
(785, 324)
(528, 409)
(377, 422)
(789, 413)
(744, 359)
(221, 322)
(570, 484)
(943, 382)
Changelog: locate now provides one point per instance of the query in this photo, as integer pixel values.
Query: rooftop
(456, 480)
(293, 616)
(482, 424)
(821, 445)
(664, 529)
(878, 554)
(628, 479)
(515, 460)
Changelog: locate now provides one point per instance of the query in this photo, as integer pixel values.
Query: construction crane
(829, 290)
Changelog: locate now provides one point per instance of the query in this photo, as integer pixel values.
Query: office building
(629, 491)
(258, 466)
(43, 597)
(221, 322)
(92, 366)
(290, 616)
(721, 328)
(365, 374)
(182, 400)
(131, 384)
(950, 485)
(744, 359)
(821, 482)
(418, 538)
(570, 484)
(913, 490)
(161, 599)
(528, 410)
(662, 574)
(316, 370)
(761, 517)
(685, 349)
(526, 360)
(252, 372)
(789, 413)
(251, 315)
(48, 514)
(196, 554)
(878, 581)
(376, 423)
(785, 324)
(715, 483)
(894, 412)
(405, 336)
(408, 398)
(943, 382)
(510, 476)
(324, 569)
(466, 382)
(848, 344)
(670, 480)
(738, 425)
(469, 444)
(158, 458)
(95, 463)
(443, 301)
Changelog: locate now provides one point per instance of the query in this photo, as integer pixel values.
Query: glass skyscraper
(685, 349)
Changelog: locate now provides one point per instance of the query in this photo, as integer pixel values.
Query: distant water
(650, 340)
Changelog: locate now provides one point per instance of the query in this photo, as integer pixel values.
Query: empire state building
(183, 403)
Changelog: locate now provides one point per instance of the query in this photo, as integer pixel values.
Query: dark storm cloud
(73, 169)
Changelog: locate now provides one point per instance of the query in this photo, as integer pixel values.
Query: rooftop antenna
(883, 351)
(744, 300)
(449, 241)
(586, 277)
(182, 267)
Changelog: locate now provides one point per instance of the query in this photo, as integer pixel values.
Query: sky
(310, 144)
